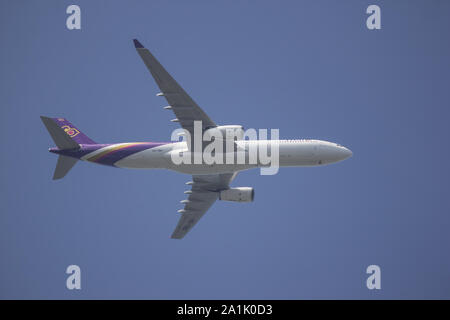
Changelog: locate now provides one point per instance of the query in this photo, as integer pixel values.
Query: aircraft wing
(205, 191)
(185, 109)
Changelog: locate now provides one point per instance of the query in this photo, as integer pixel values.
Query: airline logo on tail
(72, 132)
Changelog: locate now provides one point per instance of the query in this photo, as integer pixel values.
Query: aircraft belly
(209, 169)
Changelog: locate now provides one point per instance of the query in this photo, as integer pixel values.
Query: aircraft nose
(347, 153)
(342, 153)
(332, 152)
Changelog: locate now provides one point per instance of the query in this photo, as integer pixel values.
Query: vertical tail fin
(64, 134)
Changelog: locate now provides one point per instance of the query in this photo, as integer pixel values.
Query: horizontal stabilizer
(63, 166)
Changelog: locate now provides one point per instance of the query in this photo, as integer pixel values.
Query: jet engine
(225, 132)
(241, 194)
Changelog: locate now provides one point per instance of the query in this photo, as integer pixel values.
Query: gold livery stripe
(106, 152)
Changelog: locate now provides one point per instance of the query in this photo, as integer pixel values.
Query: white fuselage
(291, 153)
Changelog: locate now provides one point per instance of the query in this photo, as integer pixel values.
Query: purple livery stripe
(122, 151)
(112, 153)
(109, 151)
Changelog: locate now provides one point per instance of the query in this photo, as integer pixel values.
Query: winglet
(137, 44)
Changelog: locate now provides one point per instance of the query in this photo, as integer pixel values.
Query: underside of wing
(205, 191)
(184, 107)
(205, 188)
(199, 203)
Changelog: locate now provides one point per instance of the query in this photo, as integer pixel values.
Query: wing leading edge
(184, 107)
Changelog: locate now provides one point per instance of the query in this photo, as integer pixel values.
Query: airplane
(209, 182)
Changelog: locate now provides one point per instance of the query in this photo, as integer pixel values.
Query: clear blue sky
(310, 68)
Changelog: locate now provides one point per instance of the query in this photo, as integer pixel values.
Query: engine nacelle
(225, 132)
(241, 194)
